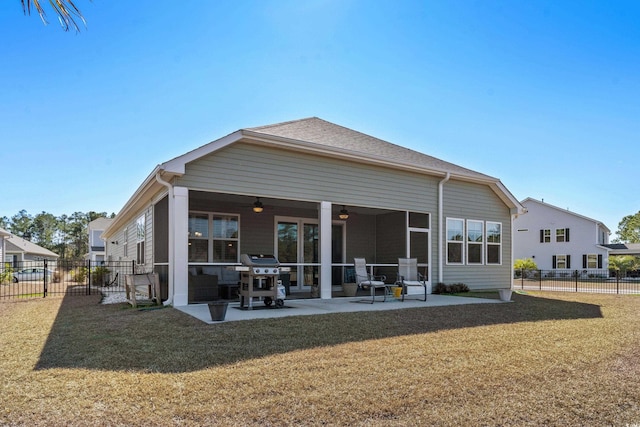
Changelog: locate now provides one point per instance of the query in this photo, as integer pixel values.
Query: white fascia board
(510, 200)
(168, 170)
(177, 165)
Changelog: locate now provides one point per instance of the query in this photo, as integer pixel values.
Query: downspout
(170, 291)
(441, 226)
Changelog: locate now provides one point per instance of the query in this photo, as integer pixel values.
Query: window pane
(455, 229)
(199, 225)
(474, 231)
(225, 251)
(561, 261)
(225, 227)
(418, 220)
(494, 232)
(474, 254)
(140, 229)
(287, 242)
(454, 252)
(198, 250)
(493, 254)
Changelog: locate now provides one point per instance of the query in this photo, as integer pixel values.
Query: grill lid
(259, 260)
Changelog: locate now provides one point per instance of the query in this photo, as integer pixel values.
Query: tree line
(66, 235)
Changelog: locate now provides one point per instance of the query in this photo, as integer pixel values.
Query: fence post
(522, 278)
(617, 282)
(88, 291)
(577, 273)
(44, 282)
(540, 277)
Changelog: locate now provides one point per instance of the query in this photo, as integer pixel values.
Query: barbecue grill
(259, 279)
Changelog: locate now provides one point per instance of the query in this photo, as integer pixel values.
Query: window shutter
(568, 261)
(553, 262)
(584, 261)
(566, 234)
(599, 261)
(541, 236)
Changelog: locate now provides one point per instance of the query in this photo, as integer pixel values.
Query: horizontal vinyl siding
(478, 202)
(269, 172)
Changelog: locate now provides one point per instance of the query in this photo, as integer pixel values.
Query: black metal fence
(594, 281)
(41, 279)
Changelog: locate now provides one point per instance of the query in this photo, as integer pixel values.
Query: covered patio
(222, 226)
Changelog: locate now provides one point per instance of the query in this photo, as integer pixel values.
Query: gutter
(170, 291)
(441, 250)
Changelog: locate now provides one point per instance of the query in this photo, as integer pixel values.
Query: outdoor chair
(365, 280)
(408, 275)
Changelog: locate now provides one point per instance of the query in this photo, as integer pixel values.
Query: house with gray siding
(328, 194)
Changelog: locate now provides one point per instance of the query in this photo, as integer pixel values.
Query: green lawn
(544, 359)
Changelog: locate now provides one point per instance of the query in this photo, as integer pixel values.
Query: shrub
(98, 275)
(440, 288)
(6, 276)
(79, 274)
(454, 288)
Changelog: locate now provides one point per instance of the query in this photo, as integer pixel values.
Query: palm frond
(66, 11)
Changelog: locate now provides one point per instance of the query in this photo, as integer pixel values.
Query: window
(455, 236)
(592, 261)
(561, 261)
(225, 238)
(125, 243)
(475, 237)
(562, 235)
(140, 237)
(213, 237)
(494, 242)
(545, 236)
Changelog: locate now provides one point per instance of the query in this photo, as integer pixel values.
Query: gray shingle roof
(322, 132)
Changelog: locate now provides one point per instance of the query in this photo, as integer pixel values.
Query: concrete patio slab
(305, 307)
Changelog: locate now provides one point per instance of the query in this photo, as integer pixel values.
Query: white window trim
(141, 232)
(481, 244)
(461, 242)
(487, 243)
(210, 236)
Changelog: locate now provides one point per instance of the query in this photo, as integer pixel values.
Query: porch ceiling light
(257, 206)
(344, 214)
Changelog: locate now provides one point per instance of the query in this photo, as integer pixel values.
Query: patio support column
(180, 224)
(324, 242)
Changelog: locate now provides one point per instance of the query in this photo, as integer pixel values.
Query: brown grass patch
(546, 358)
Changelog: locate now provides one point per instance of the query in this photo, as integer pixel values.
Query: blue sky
(544, 95)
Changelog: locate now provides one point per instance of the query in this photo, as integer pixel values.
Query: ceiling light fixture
(257, 206)
(344, 214)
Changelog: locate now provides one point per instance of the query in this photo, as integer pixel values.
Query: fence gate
(46, 278)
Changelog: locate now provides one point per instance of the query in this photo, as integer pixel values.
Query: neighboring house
(96, 243)
(561, 240)
(17, 250)
(4, 235)
(327, 194)
(632, 249)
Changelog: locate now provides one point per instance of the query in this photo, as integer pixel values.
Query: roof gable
(332, 136)
(18, 244)
(529, 200)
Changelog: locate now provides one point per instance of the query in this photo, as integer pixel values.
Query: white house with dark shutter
(558, 239)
